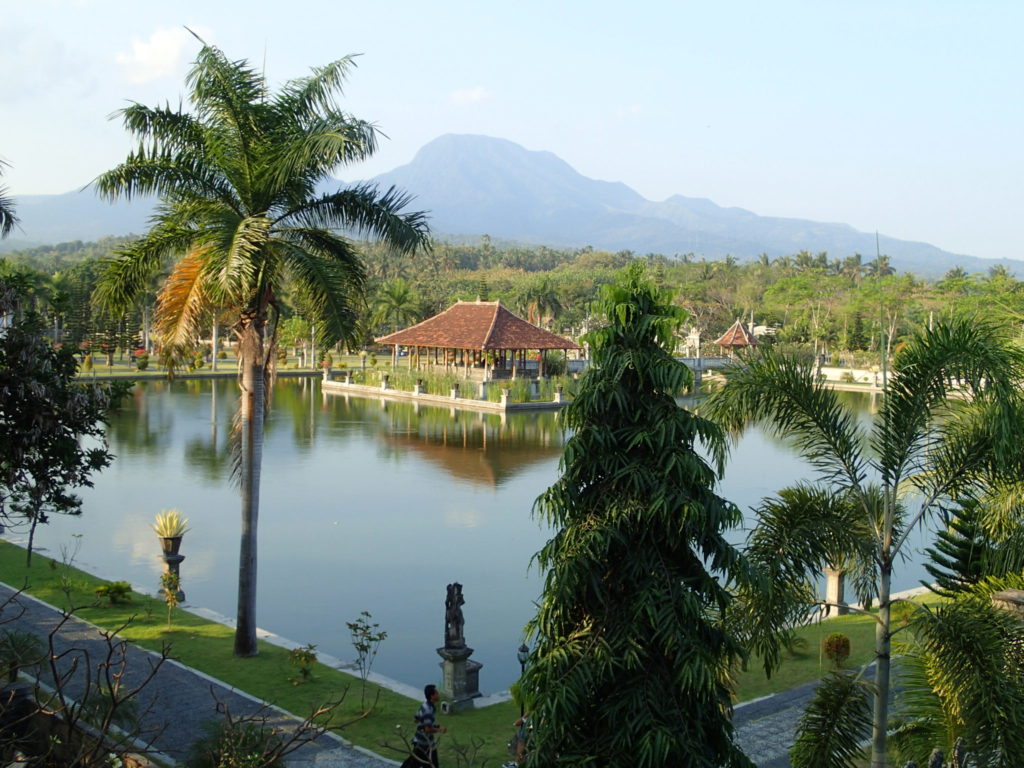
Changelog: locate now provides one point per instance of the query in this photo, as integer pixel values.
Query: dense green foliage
(51, 426)
(961, 553)
(631, 652)
(842, 307)
(923, 450)
(962, 679)
(837, 720)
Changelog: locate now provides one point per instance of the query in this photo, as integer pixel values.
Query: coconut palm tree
(7, 217)
(395, 304)
(922, 450)
(241, 217)
(540, 301)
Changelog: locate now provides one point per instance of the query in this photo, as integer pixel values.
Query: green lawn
(207, 646)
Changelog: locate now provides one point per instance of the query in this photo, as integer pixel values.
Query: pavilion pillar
(540, 363)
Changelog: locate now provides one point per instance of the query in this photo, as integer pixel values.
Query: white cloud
(632, 109)
(155, 58)
(469, 96)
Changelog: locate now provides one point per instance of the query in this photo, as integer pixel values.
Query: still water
(365, 505)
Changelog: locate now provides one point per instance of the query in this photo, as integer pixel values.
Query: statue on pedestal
(460, 675)
(453, 619)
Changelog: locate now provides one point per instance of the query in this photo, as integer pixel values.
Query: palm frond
(127, 273)
(971, 655)
(182, 303)
(329, 279)
(966, 354)
(835, 724)
(365, 211)
(8, 218)
(782, 395)
(173, 131)
(315, 94)
(312, 151)
(164, 174)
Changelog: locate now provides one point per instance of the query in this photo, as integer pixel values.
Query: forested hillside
(836, 305)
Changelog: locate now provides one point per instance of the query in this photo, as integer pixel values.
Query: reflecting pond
(365, 505)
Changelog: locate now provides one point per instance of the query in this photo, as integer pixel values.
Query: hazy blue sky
(901, 116)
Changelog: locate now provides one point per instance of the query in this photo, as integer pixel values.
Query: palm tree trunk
(882, 648)
(251, 424)
(883, 645)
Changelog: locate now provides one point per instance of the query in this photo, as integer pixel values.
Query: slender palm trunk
(251, 423)
(883, 643)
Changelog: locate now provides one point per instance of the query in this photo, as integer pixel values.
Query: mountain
(475, 185)
(47, 219)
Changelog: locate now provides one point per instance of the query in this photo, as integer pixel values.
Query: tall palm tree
(396, 304)
(240, 216)
(8, 219)
(540, 301)
(922, 450)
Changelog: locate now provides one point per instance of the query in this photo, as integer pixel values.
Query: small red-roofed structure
(736, 337)
(478, 335)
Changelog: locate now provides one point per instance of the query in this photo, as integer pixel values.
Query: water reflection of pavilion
(479, 449)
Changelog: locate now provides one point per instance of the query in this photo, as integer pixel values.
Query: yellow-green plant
(171, 588)
(170, 524)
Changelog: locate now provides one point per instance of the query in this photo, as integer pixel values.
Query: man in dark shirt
(424, 748)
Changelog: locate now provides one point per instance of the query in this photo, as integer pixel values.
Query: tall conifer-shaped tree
(631, 651)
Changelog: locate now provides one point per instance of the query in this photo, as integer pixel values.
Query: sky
(899, 116)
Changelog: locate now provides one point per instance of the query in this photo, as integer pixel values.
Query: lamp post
(522, 654)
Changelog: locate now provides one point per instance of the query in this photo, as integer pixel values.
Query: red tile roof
(478, 325)
(737, 336)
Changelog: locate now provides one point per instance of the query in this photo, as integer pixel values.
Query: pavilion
(736, 337)
(479, 336)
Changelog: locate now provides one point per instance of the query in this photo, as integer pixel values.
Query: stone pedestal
(1011, 600)
(460, 677)
(835, 589)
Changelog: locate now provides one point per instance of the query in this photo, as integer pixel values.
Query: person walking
(424, 747)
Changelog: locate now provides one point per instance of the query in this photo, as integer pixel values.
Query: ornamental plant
(837, 648)
(170, 524)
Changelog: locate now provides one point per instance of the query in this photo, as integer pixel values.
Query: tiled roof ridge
(494, 322)
(737, 329)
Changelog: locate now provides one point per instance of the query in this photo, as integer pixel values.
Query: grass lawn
(207, 646)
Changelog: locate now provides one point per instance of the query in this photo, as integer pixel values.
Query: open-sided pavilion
(484, 338)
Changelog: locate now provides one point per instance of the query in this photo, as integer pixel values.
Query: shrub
(19, 650)
(303, 657)
(846, 377)
(837, 648)
(554, 365)
(116, 592)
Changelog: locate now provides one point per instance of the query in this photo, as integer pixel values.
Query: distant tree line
(840, 307)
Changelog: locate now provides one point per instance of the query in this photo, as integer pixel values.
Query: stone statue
(453, 621)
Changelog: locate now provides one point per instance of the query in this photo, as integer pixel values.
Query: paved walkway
(179, 700)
